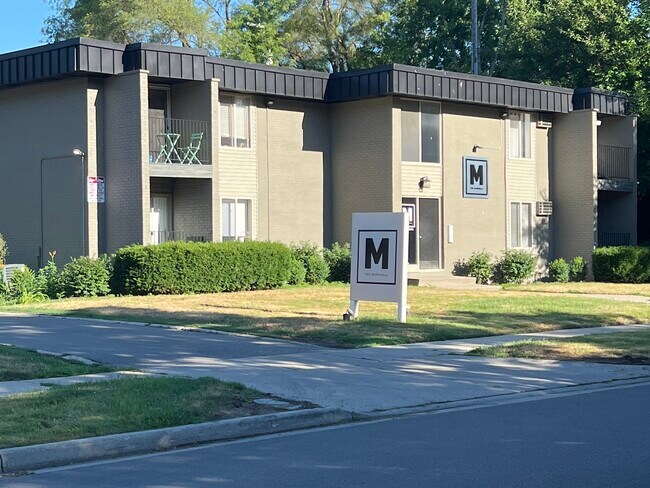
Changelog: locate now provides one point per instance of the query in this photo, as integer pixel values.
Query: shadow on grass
(367, 331)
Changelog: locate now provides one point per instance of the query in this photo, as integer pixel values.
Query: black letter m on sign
(476, 175)
(377, 254)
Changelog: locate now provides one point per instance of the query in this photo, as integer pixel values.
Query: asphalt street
(599, 439)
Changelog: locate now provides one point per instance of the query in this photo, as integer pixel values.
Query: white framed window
(235, 121)
(521, 224)
(420, 131)
(236, 219)
(520, 135)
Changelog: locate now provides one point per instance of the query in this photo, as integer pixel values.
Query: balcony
(614, 162)
(179, 148)
(606, 239)
(161, 236)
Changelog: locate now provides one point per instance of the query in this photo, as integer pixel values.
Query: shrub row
(180, 267)
(193, 267)
(622, 264)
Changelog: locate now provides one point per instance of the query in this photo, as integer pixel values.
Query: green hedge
(193, 267)
(622, 264)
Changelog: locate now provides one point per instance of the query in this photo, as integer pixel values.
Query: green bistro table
(168, 150)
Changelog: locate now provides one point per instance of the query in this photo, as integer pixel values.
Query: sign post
(379, 260)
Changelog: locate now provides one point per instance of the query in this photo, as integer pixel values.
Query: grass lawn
(642, 289)
(20, 364)
(124, 405)
(620, 347)
(314, 313)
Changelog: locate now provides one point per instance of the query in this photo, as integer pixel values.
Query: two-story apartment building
(105, 145)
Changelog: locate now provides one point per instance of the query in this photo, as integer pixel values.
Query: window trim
(522, 124)
(249, 104)
(250, 219)
(420, 103)
(519, 203)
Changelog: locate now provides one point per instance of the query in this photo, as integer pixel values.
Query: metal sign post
(379, 260)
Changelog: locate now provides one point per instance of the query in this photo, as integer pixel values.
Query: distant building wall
(40, 123)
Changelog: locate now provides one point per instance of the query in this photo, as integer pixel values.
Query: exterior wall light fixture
(424, 182)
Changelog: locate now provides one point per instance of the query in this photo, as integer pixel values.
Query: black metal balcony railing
(161, 236)
(613, 239)
(179, 141)
(614, 162)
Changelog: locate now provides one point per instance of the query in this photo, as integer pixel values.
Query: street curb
(29, 458)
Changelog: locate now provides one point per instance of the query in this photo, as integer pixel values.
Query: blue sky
(20, 23)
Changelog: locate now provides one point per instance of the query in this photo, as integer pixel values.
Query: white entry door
(160, 220)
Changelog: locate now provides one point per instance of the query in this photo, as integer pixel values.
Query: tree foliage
(182, 22)
(328, 34)
(256, 33)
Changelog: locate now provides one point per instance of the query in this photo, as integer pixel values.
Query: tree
(436, 34)
(255, 32)
(182, 22)
(327, 34)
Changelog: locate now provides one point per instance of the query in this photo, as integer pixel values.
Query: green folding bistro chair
(190, 153)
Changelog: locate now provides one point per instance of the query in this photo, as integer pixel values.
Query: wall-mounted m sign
(475, 177)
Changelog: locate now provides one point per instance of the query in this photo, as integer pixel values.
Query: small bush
(196, 267)
(312, 259)
(558, 271)
(577, 269)
(4, 251)
(622, 264)
(338, 259)
(479, 265)
(297, 272)
(515, 266)
(24, 287)
(461, 268)
(51, 279)
(85, 277)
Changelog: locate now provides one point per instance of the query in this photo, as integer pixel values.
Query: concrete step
(444, 280)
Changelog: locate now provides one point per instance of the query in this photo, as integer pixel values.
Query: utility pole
(476, 56)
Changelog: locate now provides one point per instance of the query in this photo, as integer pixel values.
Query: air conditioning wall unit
(544, 121)
(544, 209)
(8, 271)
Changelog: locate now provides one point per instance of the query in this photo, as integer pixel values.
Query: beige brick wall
(126, 142)
(237, 170)
(42, 121)
(574, 192)
(364, 175)
(293, 166)
(543, 228)
(479, 224)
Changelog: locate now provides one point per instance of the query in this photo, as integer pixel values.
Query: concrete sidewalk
(360, 380)
(387, 378)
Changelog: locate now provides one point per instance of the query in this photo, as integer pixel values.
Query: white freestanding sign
(379, 260)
